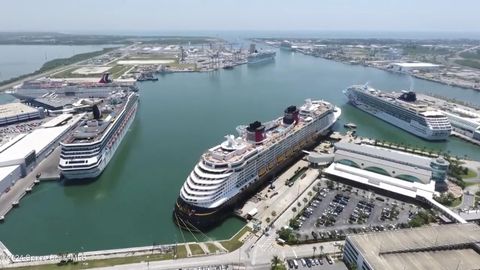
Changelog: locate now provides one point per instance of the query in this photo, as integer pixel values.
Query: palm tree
(275, 261)
(321, 250)
(314, 249)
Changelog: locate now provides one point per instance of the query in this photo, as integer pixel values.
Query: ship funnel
(256, 132)
(290, 115)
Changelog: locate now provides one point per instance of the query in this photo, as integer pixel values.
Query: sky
(227, 15)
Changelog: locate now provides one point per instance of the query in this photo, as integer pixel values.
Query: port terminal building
(21, 154)
(410, 177)
(464, 122)
(392, 164)
(12, 113)
(453, 246)
(413, 67)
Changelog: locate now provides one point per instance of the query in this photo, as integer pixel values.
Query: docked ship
(402, 110)
(87, 151)
(229, 173)
(260, 56)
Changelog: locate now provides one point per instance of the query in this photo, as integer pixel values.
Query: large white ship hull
(105, 157)
(412, 127)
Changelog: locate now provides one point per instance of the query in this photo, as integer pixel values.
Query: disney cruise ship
(230, 172)
(91, 146)
(403, 110)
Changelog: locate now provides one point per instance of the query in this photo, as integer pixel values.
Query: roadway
(258, 257)
(257, 251)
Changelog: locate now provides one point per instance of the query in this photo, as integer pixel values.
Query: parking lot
(334, 213)
(325, 262)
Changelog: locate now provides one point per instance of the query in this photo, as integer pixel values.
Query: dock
(465, 138)
(47, 169)
(272, 201)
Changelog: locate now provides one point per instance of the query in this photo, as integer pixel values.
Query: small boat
(146, 77)
(228, 66)
(350, 125)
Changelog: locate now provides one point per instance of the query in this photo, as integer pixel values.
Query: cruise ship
(260, 56)
(402, 110)
(232, 171)
(91, 146)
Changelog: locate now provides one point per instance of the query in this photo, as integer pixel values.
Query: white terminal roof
(385, 153)
(395, 185)
(13, 109)
(36, 141)
(416, 65)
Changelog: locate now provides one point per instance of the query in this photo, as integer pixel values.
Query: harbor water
(180, 116)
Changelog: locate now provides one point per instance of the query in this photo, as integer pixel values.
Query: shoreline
(394, 72)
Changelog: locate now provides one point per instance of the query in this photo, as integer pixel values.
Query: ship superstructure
(91, 146)
(230, 171)
(401, 109)
(260, 56)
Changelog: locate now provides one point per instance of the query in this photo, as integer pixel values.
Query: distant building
(412, 67)
(454, 246)
(18, 112)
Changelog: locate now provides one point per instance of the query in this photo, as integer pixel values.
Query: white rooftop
(398, 186)
(36, 141)
(416, 65)
(5, 171)
(13, 109)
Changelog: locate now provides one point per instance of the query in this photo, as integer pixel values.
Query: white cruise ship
(89, 149)
(402, 110)
(260, 56)
(229, 172)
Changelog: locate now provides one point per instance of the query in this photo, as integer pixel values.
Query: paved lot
(352, 208)
(319, 264)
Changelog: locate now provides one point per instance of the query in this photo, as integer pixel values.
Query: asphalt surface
(342, 220)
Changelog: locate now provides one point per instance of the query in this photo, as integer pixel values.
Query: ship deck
(276, 133)
(85, 134)
(420, 106)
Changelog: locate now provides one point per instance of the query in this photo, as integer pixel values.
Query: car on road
(329, 259)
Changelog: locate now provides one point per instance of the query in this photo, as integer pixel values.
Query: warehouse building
(413, 67)
(454, 246)
(18, 112)
(20, 155)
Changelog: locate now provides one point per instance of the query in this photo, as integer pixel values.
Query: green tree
(277, 263)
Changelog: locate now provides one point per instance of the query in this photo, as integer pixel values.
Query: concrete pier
(47, 167)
